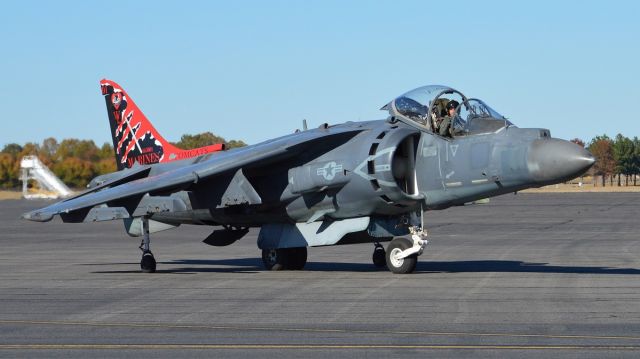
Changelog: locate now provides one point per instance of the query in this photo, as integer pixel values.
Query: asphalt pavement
(527, 275)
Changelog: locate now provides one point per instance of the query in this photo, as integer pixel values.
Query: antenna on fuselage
(304, 124)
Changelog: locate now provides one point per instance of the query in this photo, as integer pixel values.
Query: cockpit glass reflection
(446, 112)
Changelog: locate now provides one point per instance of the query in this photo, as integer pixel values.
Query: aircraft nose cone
(553, 160)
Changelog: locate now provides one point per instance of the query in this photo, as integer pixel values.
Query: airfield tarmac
(527, 275)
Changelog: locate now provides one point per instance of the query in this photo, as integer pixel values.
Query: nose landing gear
(402, 253)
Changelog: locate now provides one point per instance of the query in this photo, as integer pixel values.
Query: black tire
(296, 258)
(284, 258)
(379, 257)
(148, 263)
(273, 259)
(405, 265)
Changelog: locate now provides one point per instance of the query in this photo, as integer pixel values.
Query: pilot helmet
(453, 104)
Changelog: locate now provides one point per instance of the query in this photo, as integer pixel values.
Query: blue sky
(252, 70)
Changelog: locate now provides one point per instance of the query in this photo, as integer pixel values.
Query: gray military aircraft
(354, 182)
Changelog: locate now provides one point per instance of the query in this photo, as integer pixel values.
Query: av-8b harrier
(353, 182)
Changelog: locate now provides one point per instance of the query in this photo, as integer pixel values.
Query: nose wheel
(402, 253)
(395, 262)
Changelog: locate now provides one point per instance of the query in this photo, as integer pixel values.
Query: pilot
(446, 124)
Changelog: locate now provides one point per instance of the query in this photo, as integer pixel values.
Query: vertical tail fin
(135, 140)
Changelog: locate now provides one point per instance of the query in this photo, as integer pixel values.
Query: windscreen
(476, 117)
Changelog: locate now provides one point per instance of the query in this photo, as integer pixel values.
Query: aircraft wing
(180, 178)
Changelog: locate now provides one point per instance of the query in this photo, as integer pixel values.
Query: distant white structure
(33, 169)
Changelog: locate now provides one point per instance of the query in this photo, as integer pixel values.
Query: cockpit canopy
(426, 107)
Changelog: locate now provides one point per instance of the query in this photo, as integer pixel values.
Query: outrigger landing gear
(379, 256)
(402, 253)
(148, 262)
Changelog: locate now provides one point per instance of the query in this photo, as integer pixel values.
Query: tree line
(76, 161)
(616, 157)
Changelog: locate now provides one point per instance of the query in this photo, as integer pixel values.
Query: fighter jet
(354, 182)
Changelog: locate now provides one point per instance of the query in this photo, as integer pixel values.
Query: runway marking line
(313, 330)
(299, 346)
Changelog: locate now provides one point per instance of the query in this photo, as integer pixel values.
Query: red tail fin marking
(135, 140)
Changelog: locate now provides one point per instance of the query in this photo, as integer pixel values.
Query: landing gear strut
(284, 258)
(379, 256)
(148, 262)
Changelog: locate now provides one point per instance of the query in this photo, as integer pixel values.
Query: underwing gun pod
(355, 182)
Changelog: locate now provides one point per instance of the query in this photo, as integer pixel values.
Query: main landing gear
(379, 256)
(401, 256)
(284, 258)
(148, 262)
